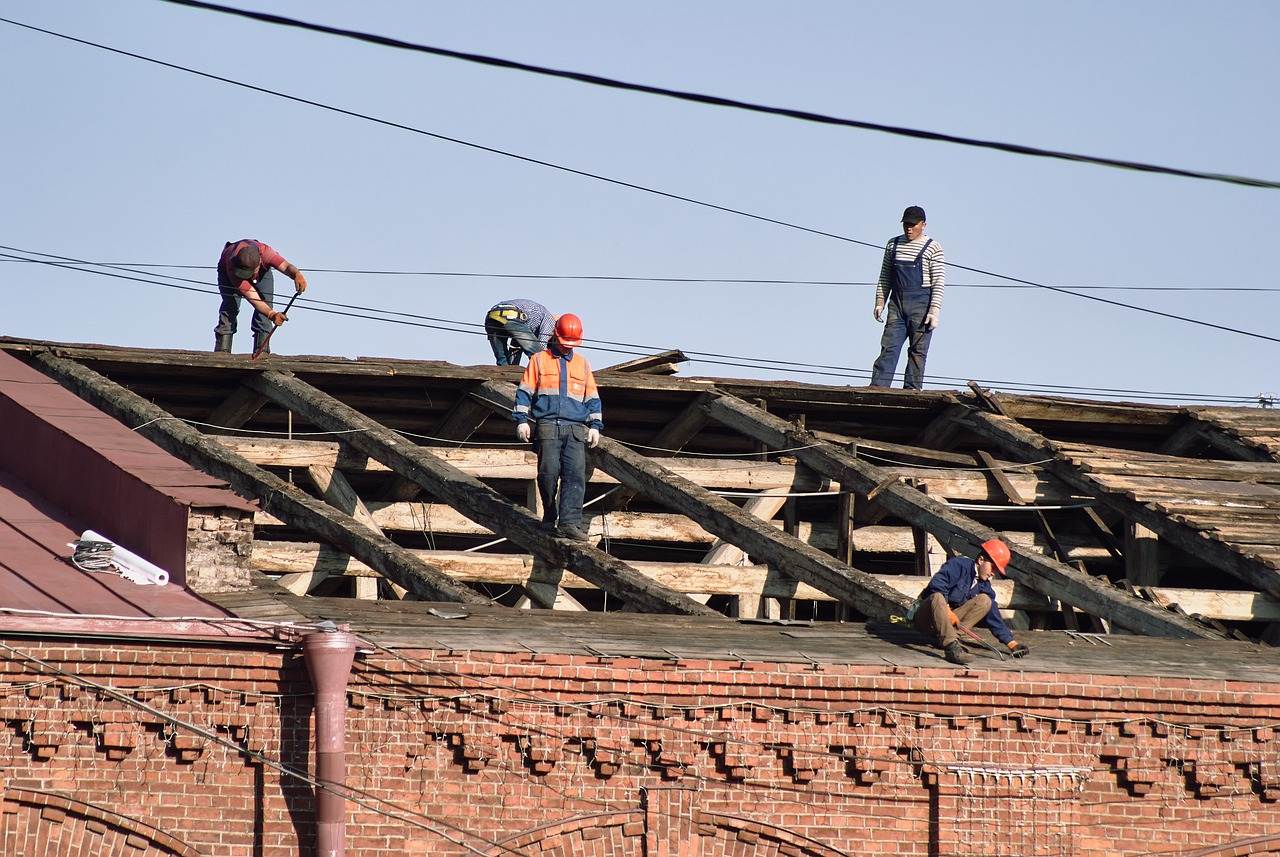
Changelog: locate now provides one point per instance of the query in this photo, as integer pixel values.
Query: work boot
(578, 534)
(222, 342)
(260, 342)
(955, 653)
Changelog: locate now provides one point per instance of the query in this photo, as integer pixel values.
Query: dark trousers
(904, 324)
(509, 338)
(562, 465)
(229, 311)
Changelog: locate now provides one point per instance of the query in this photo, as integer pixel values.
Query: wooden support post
(957, 532)
(753, 606)
(274, 494)
(1141, 555)
(471, 496)
(337, 492)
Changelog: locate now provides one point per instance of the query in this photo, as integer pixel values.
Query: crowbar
(971, 634)
(257, 352)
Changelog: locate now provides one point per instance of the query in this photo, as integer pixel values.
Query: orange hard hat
(569, 330)
(998, 552)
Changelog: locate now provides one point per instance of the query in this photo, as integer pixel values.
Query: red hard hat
(998, 552)
(569, 330)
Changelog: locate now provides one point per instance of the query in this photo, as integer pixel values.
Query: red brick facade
(611, 756)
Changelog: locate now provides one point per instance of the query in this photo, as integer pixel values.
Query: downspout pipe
(329, 655)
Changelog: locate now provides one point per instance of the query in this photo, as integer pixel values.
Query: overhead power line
(622, 278)
(720, 101)
(714, 358)
(619, 182)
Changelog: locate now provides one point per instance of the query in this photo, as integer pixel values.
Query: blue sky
(111, 159)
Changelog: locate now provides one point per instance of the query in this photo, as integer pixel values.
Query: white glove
(524, 432)
(593, 437)
(879, 312)
(931, 319)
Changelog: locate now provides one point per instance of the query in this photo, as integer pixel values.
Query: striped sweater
(935, 268)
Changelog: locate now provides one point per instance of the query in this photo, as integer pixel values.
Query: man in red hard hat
(558, 396)
(961, 594)
(244, 272)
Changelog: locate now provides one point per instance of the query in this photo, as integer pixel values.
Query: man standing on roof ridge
(912, 280)
(558, 393)
(516, 327)
(244, 271)
(961, 594)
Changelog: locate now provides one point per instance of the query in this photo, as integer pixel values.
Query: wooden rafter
(274, 494)
(1021, 441)
(957, 532)
(470, 496)
(717, 515)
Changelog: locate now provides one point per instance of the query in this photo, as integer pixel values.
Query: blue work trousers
(905, 324)
(509, 338)
(562, 465)
(229, 311)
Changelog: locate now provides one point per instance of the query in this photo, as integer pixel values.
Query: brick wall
(596, 756)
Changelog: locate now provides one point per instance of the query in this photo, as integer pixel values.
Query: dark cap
(913, 214)
(245, 263)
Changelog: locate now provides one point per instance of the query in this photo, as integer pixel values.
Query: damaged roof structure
(387, 498)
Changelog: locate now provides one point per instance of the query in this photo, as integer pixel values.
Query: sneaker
(955, 653)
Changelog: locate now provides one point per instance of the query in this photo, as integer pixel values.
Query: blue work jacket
(958, 581)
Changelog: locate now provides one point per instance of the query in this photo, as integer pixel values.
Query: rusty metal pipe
(329, 655)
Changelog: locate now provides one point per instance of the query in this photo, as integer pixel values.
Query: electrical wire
(492, 275)
(453, 326)
(720, 101)
(618, 182)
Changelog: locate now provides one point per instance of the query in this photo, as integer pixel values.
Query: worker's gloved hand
(955, 620)
(524, 432)
(300, 282)
(879, 311)
(278, 318)
(931, 319)
(593, 437)
(1019, 650)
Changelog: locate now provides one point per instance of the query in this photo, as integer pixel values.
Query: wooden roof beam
(956, 531)
(471, 496)
(735, 526)
(1020, 441)
(662, 363)
(275, 495)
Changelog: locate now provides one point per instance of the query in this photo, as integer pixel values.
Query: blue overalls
(908, 305)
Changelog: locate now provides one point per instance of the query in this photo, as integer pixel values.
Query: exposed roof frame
(275, 495)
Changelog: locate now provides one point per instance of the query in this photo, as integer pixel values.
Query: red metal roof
(35, 573)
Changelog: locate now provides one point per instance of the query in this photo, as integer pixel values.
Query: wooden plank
(470, 496)
(958, 533)
(274, 494)
(662, 363)
(716, 514)
(942, 430)
(1021, 441)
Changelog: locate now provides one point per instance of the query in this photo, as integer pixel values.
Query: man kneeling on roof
(961, 594)
(558, 394)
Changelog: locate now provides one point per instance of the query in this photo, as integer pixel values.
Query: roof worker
(558, 395)
(912, 279)
(244, 271)
(961, 594)
(518, 327)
